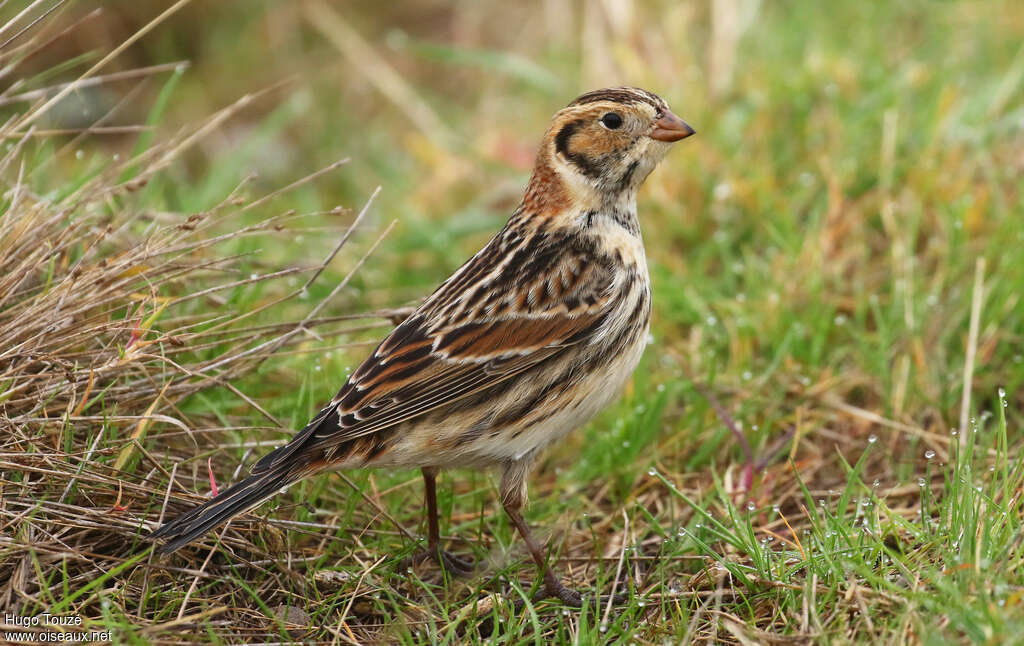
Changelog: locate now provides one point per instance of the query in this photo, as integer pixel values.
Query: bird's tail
(236, 499)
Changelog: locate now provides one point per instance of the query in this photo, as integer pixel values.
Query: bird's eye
(611, 120)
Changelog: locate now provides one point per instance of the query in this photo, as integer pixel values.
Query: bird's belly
(568, 413)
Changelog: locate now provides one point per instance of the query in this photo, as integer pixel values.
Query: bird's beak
(671, 128)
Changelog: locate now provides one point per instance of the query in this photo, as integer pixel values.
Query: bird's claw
(575, 598)
(449, 562)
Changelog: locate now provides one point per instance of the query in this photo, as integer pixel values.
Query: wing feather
(463, 340)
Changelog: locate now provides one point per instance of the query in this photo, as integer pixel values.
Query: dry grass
(110, 315)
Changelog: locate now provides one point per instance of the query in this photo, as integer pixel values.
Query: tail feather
(279, 468)
(236, 499)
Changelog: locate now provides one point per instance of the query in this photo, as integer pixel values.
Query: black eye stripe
(579, 160)
(562, 138)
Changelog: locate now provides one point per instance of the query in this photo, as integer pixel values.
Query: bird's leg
(552, 586)
(446, 560)
(513, 495)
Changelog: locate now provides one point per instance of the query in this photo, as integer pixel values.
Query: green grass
(813, 251)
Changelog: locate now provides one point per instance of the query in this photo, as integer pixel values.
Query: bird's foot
(458, 565)
(557, 590)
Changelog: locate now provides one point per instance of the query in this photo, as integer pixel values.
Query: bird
(525, 342)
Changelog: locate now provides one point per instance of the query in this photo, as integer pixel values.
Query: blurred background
(816, 243)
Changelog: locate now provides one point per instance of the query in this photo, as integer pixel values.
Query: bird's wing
(506, 310)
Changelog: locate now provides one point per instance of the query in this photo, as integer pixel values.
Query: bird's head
(601, 147)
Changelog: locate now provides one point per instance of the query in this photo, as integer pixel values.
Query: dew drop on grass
(929, 454)
(603, 627)
(652, 472)
(751, 506)
(872, 439)
(775, 509)
(565, 612)
(79, 154)
(747, 375)
(253, 276)
(876, 483)
(921, 482)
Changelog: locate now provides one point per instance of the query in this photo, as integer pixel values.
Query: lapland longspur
(524, 343)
